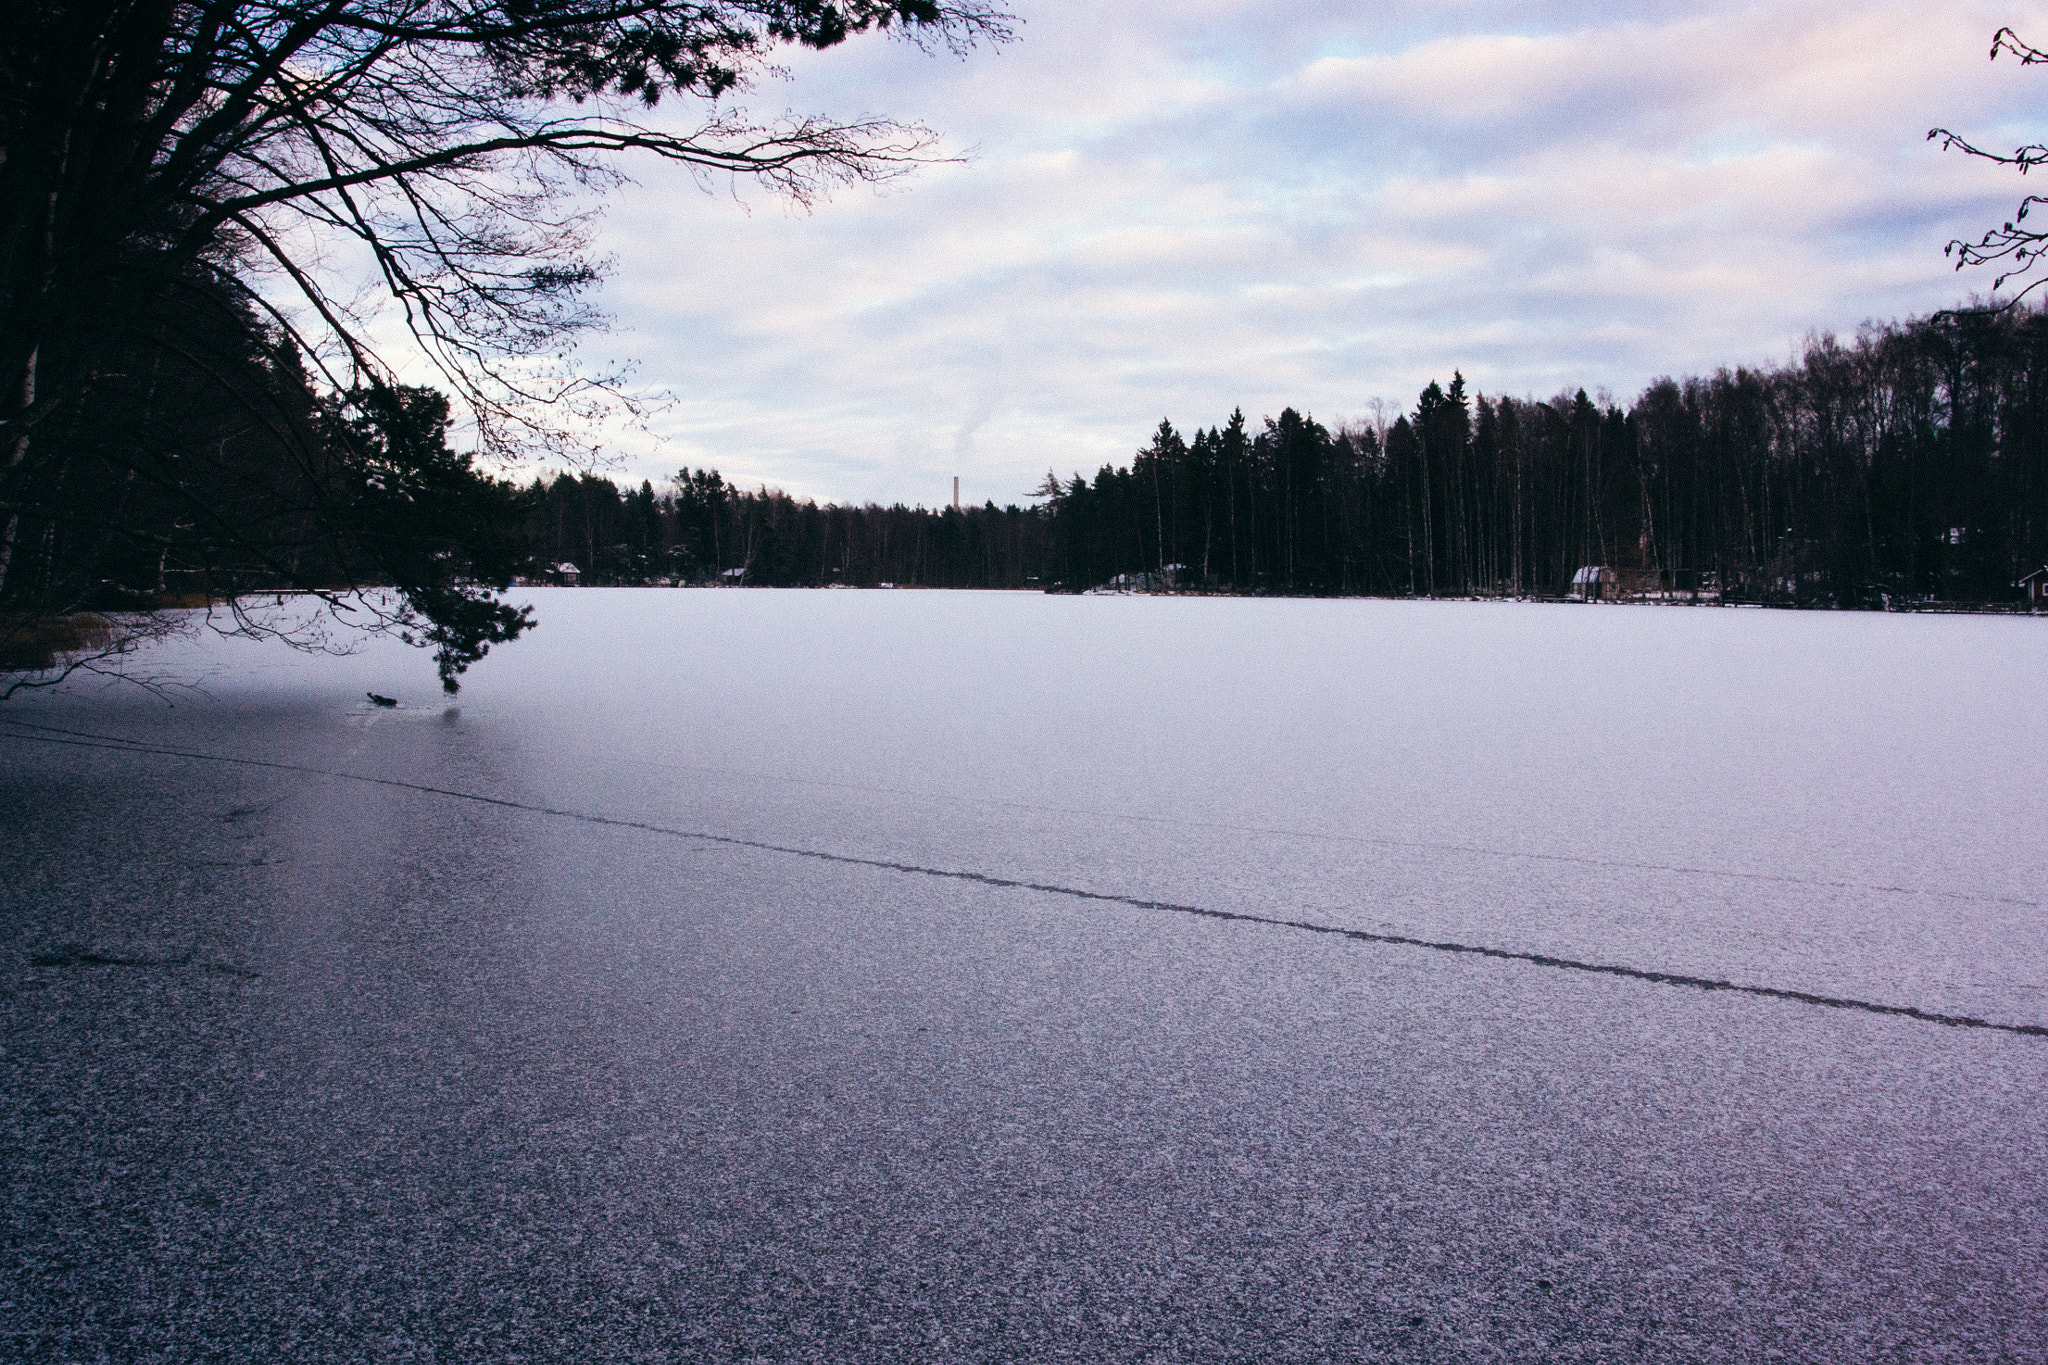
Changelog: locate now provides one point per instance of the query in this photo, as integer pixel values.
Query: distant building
(1172, 578)
(2036, 585)
(568, 575)
(1603, 583)
(1127, 583)
(733, 578)
(1593, 583)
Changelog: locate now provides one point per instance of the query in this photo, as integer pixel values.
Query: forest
(1907, 464)
(705, 530)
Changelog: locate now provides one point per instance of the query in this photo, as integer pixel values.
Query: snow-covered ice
(1849, 803)
(797, 1086)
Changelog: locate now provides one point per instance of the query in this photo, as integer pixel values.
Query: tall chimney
(956, 492)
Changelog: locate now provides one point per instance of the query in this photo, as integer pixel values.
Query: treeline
(705, 530)
(186, 454)
(1910, 462)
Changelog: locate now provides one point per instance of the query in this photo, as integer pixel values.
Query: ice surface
(1847, 803)
(837, 1112)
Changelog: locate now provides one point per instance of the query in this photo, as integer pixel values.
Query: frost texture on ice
(1842, 803)
(569, 1091)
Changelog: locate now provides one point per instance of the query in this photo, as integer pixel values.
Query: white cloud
(1175, 209)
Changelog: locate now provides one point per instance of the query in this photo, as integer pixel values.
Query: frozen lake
(310, 1065)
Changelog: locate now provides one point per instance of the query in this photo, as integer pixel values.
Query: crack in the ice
(71, 955)
(1368, 840)
(1704, 983)
(1274, 832)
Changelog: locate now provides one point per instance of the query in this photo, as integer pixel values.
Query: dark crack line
(73, 956)
(1702, 983)
(1370, 841)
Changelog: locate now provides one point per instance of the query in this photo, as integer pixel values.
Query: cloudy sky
(1171, 209)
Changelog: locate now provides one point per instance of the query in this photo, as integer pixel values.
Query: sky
(1169, 210)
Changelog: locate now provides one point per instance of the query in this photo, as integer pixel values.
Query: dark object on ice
(381, 701)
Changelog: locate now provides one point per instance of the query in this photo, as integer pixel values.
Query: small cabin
(568, 575)
(1593, 583)
(1129, 583)
(2035, 585)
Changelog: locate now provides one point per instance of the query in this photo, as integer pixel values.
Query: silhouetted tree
(254, 160)
(1908, 462)
(2014, 247)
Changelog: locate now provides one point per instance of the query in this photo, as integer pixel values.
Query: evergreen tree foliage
(1908, 463)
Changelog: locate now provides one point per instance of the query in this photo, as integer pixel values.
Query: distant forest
(1909, 463)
